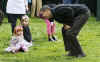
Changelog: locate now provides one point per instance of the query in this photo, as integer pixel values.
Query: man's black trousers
(71, 42)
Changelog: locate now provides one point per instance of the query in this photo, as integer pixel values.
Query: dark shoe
(76, 55)
(70, 54)
(54, 38)
(80, 55)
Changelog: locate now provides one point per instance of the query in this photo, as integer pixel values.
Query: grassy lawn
(44, 51)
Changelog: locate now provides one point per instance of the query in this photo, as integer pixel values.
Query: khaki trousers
(36, 6)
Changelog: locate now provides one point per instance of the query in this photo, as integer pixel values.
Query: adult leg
(1, 16)
(67, 43)
(12, 18)
(75, 48)
(39, 6)
(33, 8)
(71, 35)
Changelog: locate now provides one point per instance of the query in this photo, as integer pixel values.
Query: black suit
(74, 15)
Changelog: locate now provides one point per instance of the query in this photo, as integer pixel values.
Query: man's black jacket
(65, 13)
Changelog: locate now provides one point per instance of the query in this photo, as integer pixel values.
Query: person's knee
(69, 33)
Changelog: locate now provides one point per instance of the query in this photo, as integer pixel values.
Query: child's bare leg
(53, 31)
(50, 37)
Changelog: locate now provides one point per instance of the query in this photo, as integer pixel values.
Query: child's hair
(17, 29)
(43, 9)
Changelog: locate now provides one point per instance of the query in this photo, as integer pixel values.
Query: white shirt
(16, 6)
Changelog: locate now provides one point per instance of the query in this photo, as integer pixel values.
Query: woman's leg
(39, 6)
(33, 8)
(12, 18)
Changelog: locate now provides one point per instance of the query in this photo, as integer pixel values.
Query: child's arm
(13, 41)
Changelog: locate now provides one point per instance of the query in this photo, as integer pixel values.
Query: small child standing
(50, 29)
(50, 24)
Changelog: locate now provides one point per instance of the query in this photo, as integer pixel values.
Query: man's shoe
(80, 55)
(70, 54)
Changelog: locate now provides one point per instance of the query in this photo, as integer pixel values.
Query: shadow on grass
(4, 53)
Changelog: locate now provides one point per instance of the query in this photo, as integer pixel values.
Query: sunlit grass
(44, 51)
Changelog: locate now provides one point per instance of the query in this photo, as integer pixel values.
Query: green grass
(44, 51)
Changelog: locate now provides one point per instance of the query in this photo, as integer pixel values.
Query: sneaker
(54, 38)
(50, 39)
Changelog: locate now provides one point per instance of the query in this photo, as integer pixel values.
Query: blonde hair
(25, 17)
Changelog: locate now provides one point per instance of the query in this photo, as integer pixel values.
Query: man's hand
(66, 27)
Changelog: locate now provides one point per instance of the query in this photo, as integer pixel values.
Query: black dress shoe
(80, 55)
(70, 54)
(76, 55)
